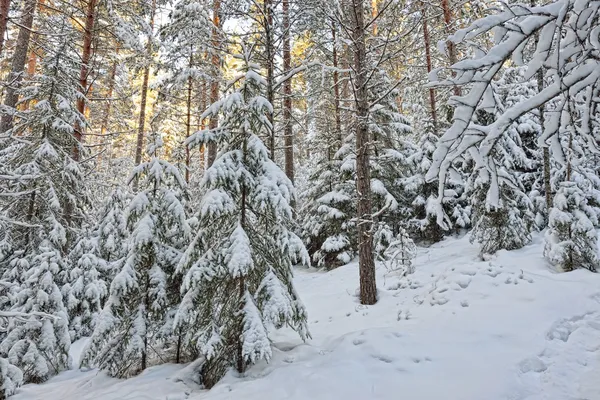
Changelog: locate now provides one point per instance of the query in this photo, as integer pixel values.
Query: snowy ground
(458, 329)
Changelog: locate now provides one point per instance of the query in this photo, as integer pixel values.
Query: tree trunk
(287, 94)
(19, 59)
(214, 85)
(427, 41)
(4, 9)
(450, 45)
(139, 148)
(107, 110)
(368, 287)
(270, 67)
(88, 35)
(336, 87)
(188, 121)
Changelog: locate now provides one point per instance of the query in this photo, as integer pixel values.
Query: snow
(459, 328)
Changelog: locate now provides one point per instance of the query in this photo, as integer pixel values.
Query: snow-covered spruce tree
(328, 207)
(396, 251)
(11, 378)
(40, 347)
(571, 238)
(136, 320)
(111, 232)
(238, 281)
(507, 225)
(86, 289)
(328, 198)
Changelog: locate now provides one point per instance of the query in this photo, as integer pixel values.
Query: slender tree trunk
(368, 287)
(287, 94)
(270, 67)
(139, 148)
(336, 87)
(108, 108)
(450, 45)
(88, 35)
(188, 121)
(4, 9)
(241, 364)
(427, 41)
(214, 85)
(19, 59)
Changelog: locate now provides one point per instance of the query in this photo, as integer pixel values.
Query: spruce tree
(133, 324)
(86, 289)
(238, 268)
(571, 238)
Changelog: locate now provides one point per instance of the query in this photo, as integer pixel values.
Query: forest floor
(457, 329)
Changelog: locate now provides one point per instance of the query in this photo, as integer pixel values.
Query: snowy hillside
(458, 329)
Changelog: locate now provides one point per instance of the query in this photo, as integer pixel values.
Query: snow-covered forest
(185, 183)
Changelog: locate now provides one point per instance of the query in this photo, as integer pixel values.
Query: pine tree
(144, 292)
(238, 269)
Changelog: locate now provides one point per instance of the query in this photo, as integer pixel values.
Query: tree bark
(450, 45)
(336, 87)
(107, 110)
(4, 9)
(287, 94)
(188, 120)
(270, 67)
(139, 148)
(427, 40)
(368, 287)
(214, 85)
(88, 35)
(19, 59)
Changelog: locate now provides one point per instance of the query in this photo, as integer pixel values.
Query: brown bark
(144, 97)
(188, 122)
(19, 59)
(270, 67)
(287, 94)
(214, 85)
(336, 87)
(88, 35)
(4, 9)
(368, 287)
(450, 45)
(427, 40)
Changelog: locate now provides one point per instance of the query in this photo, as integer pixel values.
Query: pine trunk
(368, 287)
(270, 67)
(19, 58)
(4, 9)
(139, 148)
(336, 87)
(450, 45)
(188, 125)
(214, 85)
(427, 41)
(287, 94)
(88, 35)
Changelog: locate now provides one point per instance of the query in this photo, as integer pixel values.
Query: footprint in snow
(382, 358)
(532, 364)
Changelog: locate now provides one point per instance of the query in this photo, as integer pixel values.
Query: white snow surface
(457, 329)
